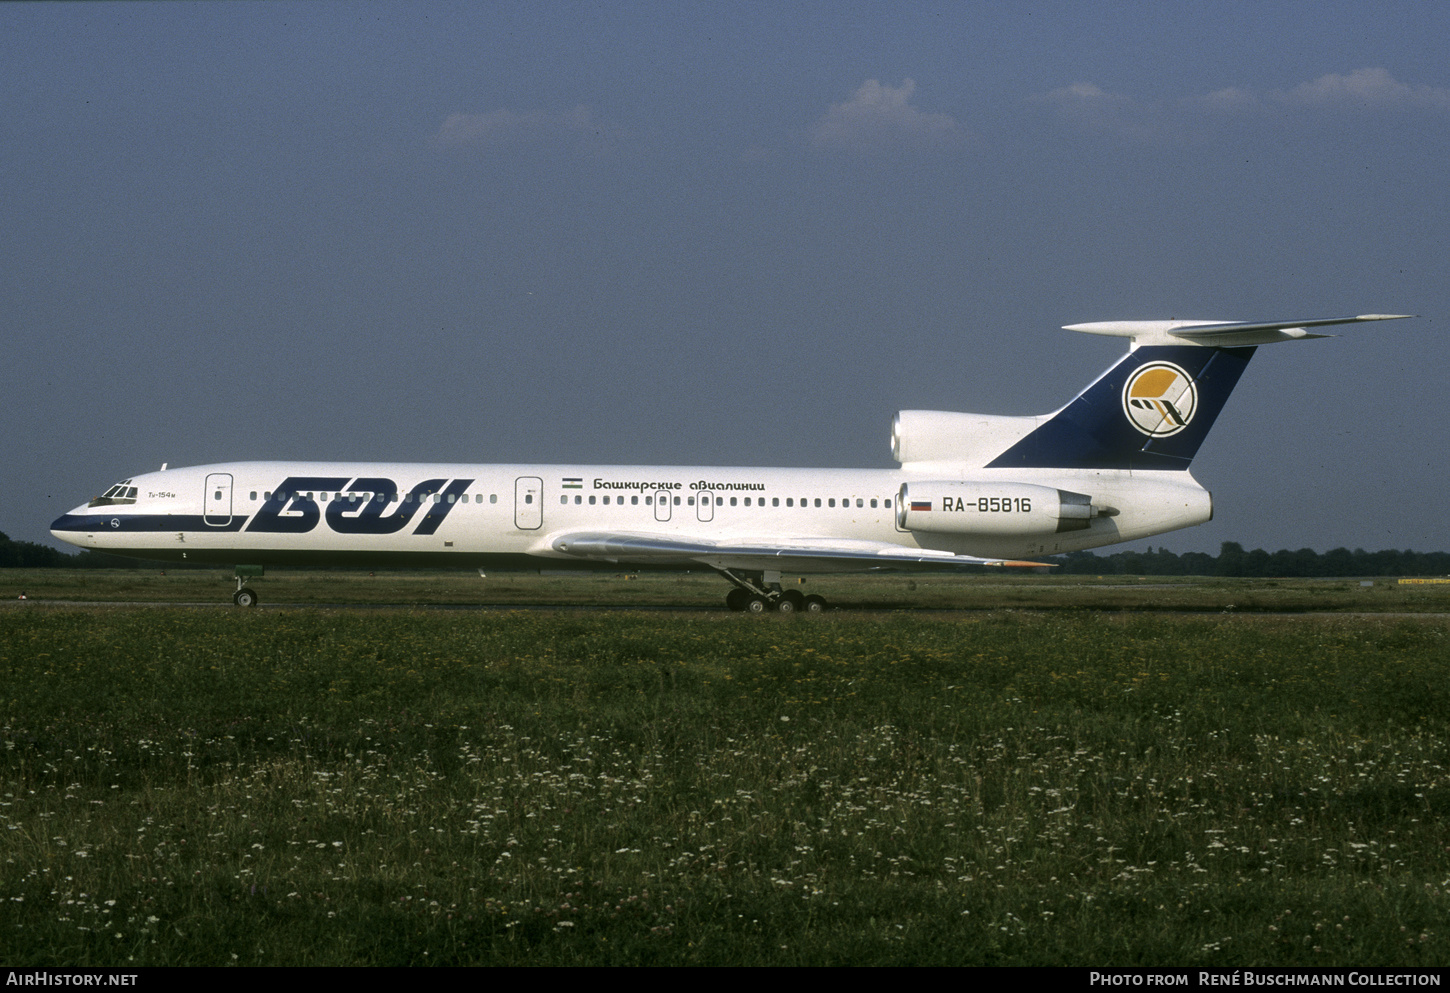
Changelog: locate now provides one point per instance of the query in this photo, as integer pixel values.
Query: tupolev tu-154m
(972, 490)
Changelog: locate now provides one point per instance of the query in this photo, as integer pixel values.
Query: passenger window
(577, 498)
(873, 501)
(591, 501)
(886, 504)
(493, 498)
(677, 501)
(528, 498)
(564, 498)
(860, 504)
(732, 501)
(831, 502)
(634, 501)
(818, 501)
(775, 501)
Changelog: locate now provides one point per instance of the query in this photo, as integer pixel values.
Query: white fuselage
(514, 515)
(972, 490)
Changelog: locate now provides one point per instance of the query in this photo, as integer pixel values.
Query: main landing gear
(760, 593)
(245, 596)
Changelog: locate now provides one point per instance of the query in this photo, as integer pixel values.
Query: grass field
(395, 786)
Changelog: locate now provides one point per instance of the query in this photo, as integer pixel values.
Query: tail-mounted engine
(992, 508)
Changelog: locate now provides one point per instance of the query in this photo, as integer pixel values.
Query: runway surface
(705, 608)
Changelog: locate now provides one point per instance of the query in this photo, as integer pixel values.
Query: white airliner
(972, 490)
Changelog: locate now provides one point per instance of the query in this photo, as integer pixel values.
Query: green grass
(410, 787)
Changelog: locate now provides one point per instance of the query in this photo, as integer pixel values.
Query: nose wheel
(245, 596)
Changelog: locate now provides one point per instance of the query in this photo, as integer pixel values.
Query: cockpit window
(122, 492)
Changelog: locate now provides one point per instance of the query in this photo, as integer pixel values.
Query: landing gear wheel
(795, 598)
(736, 598)
(815, 604)
(755, 604)
(244, 597)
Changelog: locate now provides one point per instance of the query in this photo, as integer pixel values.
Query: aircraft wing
(804, 555)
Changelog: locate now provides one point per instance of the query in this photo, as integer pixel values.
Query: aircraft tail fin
(1153, 408)
(1149, 411)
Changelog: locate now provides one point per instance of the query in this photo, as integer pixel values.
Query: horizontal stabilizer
(1221, 333)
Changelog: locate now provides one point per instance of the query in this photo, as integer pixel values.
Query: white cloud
(1095, 109)
(881, 117)
(1081, 93)
(499, 128)
(1232, 99)
(1365, 88)
(1197, 118)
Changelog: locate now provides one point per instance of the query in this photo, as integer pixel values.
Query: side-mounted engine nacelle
(992, 508)
(946, 436)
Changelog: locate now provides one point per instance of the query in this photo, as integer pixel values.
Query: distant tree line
(1232, 560)
(29, 555)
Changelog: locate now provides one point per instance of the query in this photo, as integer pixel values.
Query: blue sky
(674, 233)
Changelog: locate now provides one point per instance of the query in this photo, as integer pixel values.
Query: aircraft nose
(71, 527)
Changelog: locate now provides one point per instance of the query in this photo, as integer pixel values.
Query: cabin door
(217, 500)
(528, 503)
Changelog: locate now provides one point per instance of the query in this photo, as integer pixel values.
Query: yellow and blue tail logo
(1150, 411)
(1160, 399)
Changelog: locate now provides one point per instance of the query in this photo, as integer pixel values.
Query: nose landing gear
(245, 596)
